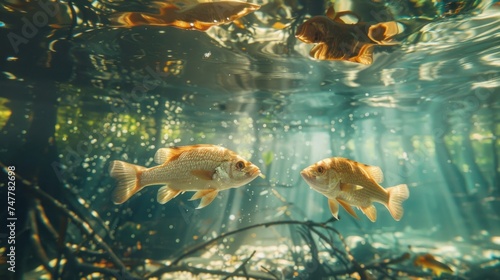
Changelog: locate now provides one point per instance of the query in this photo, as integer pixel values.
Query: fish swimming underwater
(206, 169)
(428, 261)
(337, 40)
(349, 183)
(200, 17)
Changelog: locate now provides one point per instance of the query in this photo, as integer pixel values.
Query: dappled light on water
(91, 86)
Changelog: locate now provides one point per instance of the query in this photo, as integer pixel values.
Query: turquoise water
(78, 92)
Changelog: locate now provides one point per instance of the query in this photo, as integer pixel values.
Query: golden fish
(349, 183)
(201, 16)
(206, 169)
(428, 261)
(337, 40)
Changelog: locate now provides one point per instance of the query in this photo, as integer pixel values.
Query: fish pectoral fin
(349, 187)
(334, 208)
(206, 175)
(370, 211)
(165, 194)
(207, 196)
(348, 208)
(365, 55)
(201, 193)
(321, 52)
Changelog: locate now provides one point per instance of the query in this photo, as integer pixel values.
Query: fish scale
(350, 172)
(364, 197)
(170, 171)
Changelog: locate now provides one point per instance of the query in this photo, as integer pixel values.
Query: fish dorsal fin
(334, 208)
(370, 211)
(165, 154)
(168, 154)
(374, 171)
(347, 208)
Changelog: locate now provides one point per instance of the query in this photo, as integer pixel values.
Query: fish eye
(320, 169)
(240, 165)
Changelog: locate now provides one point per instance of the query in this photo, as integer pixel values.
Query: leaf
(268, 157)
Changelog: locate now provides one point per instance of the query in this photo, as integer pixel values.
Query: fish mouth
(307, 177)
(305, 174)
(253, 171)
(302, 33)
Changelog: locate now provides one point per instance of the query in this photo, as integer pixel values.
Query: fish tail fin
(397, 195)
(127, 176)
(382, 33)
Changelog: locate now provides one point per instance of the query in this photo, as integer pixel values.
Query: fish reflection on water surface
(201, 16)
(349, 183)
(206, 169)
(337, 40)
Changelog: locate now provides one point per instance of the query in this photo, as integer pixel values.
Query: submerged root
(314, 251)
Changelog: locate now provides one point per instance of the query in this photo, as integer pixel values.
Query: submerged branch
(84, 226)
(308, 224)
(270, 272)
(241, 267)
(79, 222)
(197, 270)
(325, 234)
(39, 251)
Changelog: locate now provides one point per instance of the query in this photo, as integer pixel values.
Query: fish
(199, 17)
(206, 169)
(350, 183)
(429, 261)
(337, 40)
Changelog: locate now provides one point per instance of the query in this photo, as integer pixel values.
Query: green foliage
(268, 157)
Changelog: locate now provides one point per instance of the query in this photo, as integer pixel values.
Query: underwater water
(80, 89)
